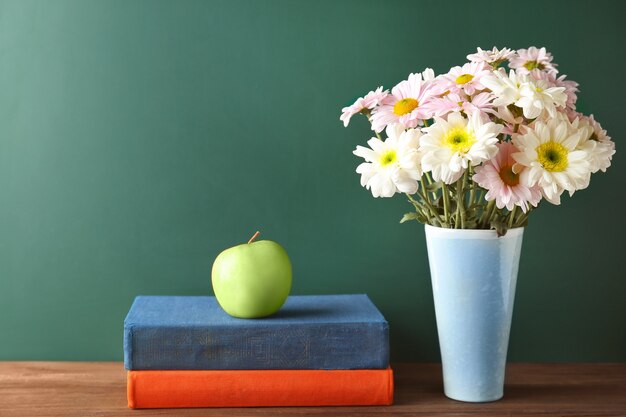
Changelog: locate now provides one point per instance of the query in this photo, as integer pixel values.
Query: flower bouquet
(476, 150)
(480, 147)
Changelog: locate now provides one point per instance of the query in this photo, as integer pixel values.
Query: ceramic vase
(474, 274)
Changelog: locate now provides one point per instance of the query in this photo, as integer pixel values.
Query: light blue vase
(473, 274)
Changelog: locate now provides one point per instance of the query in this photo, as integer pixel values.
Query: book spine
(259, 388)
(311, 346)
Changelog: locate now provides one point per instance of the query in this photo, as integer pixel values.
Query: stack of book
(316, 351)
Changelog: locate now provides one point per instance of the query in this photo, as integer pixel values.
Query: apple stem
(254, 237)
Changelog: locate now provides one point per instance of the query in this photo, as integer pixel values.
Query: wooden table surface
(99, 389)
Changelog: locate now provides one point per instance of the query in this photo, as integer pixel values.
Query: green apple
(253, 279)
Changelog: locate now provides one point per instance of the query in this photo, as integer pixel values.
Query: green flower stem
(480, 200)
(486, 216)
(512, 216)
(430, 181)
(424, 195)
(481, 197)
(521, 219)
(494, 211)
(446, 203)
(471, 190)
(369, 119)
(460, 195)
(419, 207)
(457, 216)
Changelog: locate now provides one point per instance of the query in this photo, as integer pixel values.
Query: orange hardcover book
(259, 388)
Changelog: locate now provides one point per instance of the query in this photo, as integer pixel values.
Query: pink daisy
(494, 57)
(440, 106)
(533, 58)
(467, 78)
(481, 102)
(438, 86)
(404, 105)
(572, 115)
(503, 184)
(443, 104)
(371, 100)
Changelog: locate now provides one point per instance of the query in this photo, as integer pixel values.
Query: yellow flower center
(404, 106)
(388, 157)
(552, 156)
(459, 139)
(464, 78)
(507, 175)
(531, 65)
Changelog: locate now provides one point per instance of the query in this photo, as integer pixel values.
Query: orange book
(259, 388)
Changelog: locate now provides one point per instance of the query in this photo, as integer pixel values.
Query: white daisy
(532, 96)
(596, 142)
(451, 145)
(571, 87)
(506, 88)
(393, 165)
(512, 122)
(549, 153)
(539, 95)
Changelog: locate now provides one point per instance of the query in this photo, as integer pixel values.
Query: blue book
(309, 332)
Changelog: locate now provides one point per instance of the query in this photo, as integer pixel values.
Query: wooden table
(99, 389)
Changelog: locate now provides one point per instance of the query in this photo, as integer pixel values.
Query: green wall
(140, 138)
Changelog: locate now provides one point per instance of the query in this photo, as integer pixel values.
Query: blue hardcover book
(309, 332)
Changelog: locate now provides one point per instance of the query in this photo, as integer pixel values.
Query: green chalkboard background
(140, 138)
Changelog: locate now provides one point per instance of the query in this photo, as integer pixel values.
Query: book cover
(309, 332)
(259, 388)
